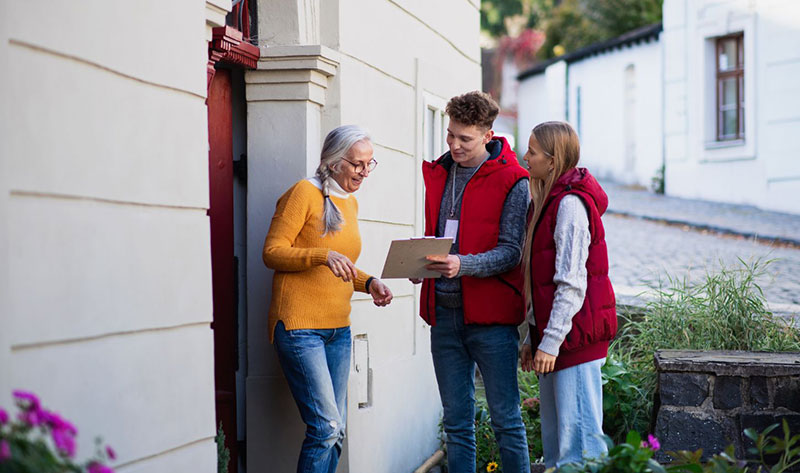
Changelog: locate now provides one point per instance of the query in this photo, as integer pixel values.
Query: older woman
(312, 243)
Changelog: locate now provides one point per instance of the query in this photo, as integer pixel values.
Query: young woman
(572, 310)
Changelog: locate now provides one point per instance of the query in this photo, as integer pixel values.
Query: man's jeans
(572, 414)
(456, 348)
(316, 364)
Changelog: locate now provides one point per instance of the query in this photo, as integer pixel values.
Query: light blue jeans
(456, 348)
(572, 414)
(316, 364)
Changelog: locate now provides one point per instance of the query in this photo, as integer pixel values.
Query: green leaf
(751, 434)
(633, 438)
(655, 467)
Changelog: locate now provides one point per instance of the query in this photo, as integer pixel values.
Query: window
(435, 129)
(730, 87)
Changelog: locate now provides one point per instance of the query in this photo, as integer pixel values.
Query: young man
(478, 194)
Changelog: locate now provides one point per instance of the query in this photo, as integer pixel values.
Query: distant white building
(713, 99)
(611, 94)
(732, 101)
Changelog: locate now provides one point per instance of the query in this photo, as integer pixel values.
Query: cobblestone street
(652, 236)
(642, 252)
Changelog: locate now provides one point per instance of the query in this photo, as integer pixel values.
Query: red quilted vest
(493, 300)
(595, 324)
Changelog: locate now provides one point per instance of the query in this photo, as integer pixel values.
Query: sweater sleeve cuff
(360, 283)
(320, 256)
(550, 345)
(467, 266)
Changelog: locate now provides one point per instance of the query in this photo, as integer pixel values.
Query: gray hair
(336, 146)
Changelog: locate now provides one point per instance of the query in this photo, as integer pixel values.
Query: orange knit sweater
(305, 293)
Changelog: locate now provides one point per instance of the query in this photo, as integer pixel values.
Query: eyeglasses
(358, 168)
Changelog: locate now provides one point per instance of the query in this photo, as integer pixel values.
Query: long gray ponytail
(336, 146)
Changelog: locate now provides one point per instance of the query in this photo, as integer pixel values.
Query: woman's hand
(448, 265)
(341, 266)
(543, 363)
(380, 292)
(526, 357)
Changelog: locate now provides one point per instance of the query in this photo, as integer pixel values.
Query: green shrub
(626, 406)
(223, 454)
(636, 456)
(725, 310)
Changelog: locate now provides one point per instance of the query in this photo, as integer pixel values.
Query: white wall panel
(153, 40)
(144, 393)
(83, 268)
(387, 195)
(532, 108)
(381, 104)
(108, 136)
(406, 406)
(393, 43)
(200, 457)
(7, 127)
(602, 80)
(449, 19)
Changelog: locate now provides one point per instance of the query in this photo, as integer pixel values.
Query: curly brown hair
(473, 108)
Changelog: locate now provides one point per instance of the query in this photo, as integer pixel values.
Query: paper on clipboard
(407, 258)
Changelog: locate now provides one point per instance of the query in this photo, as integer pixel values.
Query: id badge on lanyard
(451, 229)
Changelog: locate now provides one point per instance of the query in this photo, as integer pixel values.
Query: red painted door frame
(220, 212)
(230, 46)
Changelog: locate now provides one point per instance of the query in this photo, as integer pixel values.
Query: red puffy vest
(595, 324)
(493, 300)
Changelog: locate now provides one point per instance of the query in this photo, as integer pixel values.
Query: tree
(498, 15)
(568, 24)
(615, 17)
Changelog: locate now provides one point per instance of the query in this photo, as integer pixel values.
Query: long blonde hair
(559, 141)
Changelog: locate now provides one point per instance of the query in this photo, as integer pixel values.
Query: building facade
(712, 99)
(105, 286)
(109, 291)
(610, 92)
(731, 101)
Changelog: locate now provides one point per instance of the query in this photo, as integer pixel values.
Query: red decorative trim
(227, 45)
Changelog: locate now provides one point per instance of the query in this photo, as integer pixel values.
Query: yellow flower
(559, 50)
(492, 466)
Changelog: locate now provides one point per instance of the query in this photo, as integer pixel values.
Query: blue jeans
(456, 348)
(572, 414)
(316, 364)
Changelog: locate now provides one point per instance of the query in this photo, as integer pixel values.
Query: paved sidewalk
(643, 251)
(743, 220)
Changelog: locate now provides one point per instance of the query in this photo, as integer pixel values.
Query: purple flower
(27, 401)
(32, 418)
(62, 432)
(651, 443)
(111, 453)
(55, 422)
(3, 416)
(96, 467)
(5, 451)
(64, 441)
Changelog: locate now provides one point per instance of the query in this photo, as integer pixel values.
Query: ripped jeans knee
(328, 435)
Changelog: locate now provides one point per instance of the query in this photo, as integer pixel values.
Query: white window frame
(436, 140)
(702, 121)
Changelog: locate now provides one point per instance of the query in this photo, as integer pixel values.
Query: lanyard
(453, 203)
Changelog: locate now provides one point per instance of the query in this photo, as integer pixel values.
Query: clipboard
(407, 258)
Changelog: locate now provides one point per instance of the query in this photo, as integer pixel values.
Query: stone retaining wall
(705, 399)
